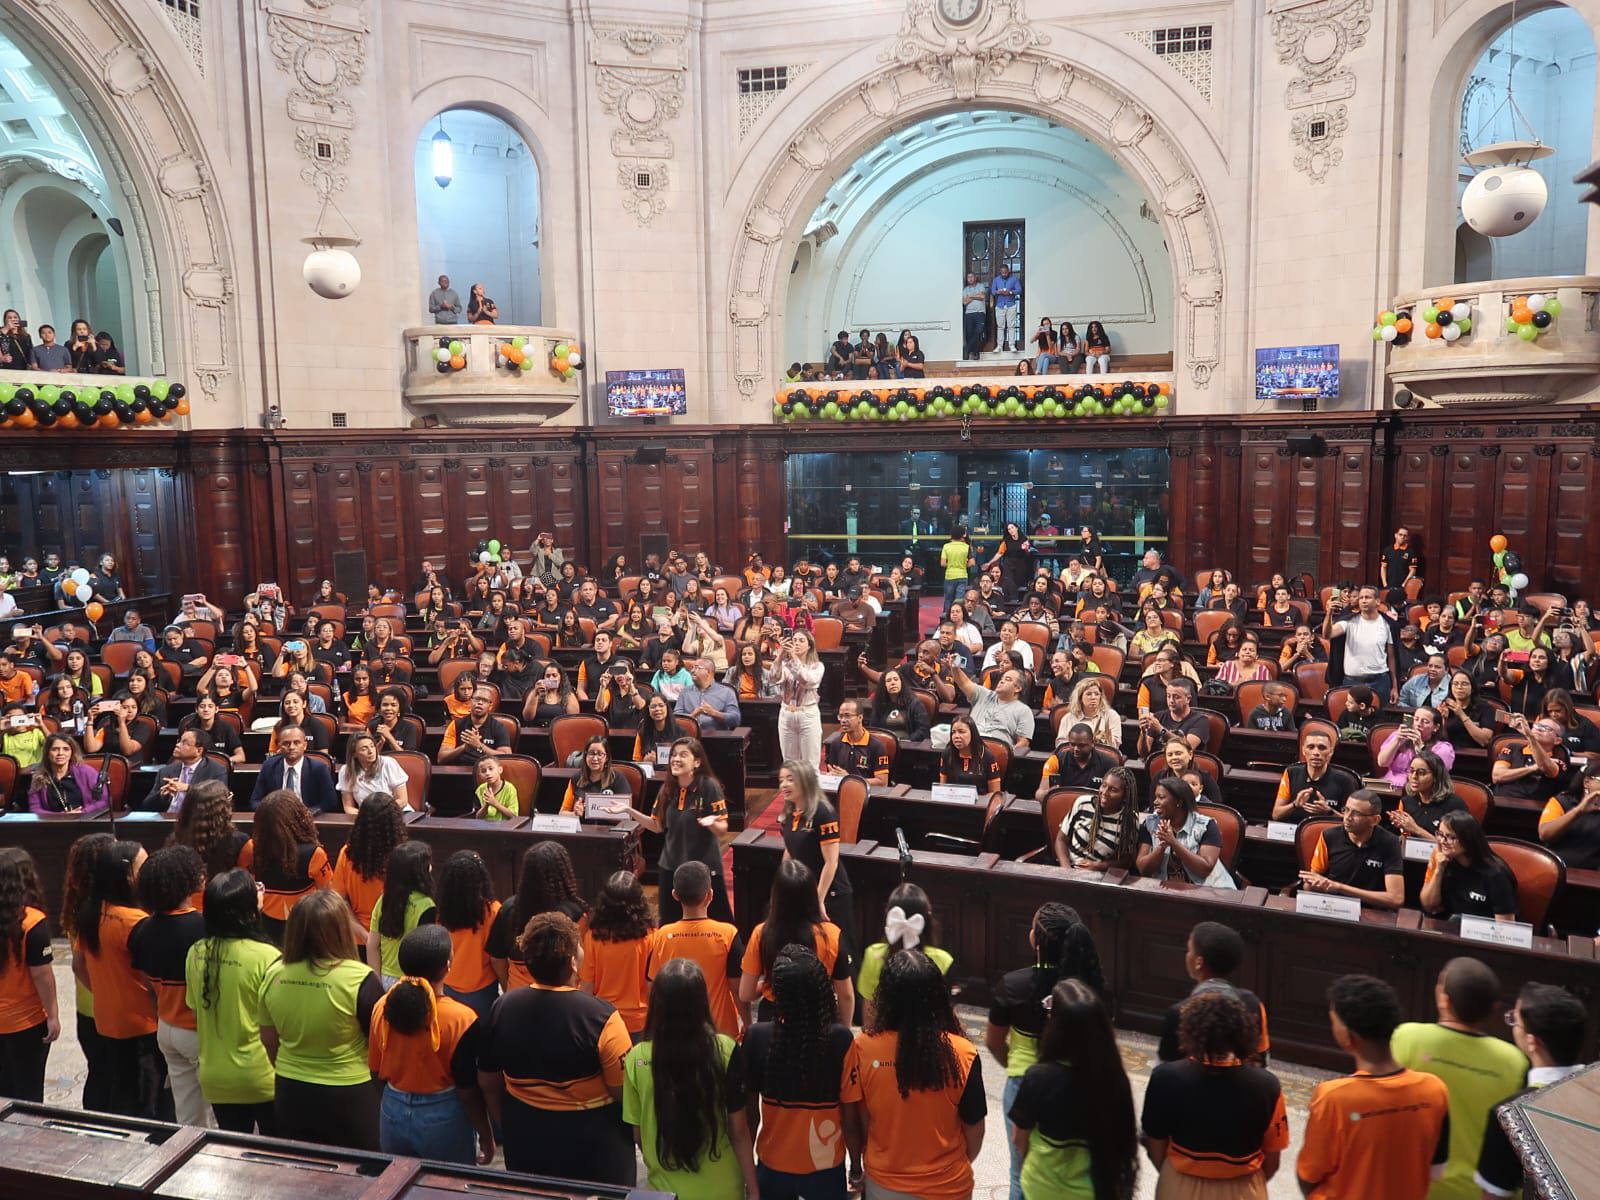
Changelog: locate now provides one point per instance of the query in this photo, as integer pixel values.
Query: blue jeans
(1013, 1086)
(1381, 684)
(480, 1001)
(818, 1185)
(426, 1125)
(972, 329)
(954, 589)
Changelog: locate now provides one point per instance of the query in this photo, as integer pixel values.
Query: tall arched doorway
(478, 211)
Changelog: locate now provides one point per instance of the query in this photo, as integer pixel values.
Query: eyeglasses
(1444, 838)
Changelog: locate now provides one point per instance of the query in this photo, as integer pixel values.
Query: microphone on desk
(905, 851)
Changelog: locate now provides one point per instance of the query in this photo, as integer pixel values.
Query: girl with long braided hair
(1063, 949)
(794, 1065)
(1101, 831)
(913, 1087)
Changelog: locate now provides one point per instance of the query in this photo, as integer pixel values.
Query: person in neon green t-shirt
(955, 556)
(681, 1045)
(408, 902)
(908, 924)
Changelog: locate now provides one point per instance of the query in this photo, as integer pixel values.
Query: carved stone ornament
(1314, 39)
(644, 185)
(961, 56)
(640, 77)
(324, 59)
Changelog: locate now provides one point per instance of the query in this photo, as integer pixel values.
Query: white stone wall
(671, 209)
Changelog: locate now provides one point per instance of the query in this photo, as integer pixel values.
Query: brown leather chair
(118, 656)
(827, 633)
(1231, 824)
(419, 774)
(635, 778)
(1311, 680)
(1035, 635)
(571, 733)
(1474, 795)
(1375, 740)
(1540, 877)
(1306, 837)
(1156, 764)
(1208, 622)
(851, 800)
(1219, 729)
(330, 612)
(1002, 753)
(150, 727)
(524, 774)
(10, 772)
(450, 669)
(395, 612)
(1057, 804)
(328, 726)
(1109, 659)
(1248, 695)
(929, 702)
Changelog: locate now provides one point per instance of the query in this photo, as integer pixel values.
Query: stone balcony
(1492, 365)
(484, 391)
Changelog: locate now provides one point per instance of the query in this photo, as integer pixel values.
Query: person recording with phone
(457, 642)
(1419, 730)
(115, 727)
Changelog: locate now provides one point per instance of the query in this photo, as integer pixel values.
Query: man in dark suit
(290, 769)
(188, 767)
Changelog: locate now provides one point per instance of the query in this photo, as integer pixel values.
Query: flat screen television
(646, 394)
(1297, 373)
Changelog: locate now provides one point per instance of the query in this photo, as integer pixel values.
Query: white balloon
(1389, 333)
(1536, 302)
(442, 354)
(574, 359)
(1519, 581)
(484, 556)
(1450, 333)
(1459, 311)
(80, 576)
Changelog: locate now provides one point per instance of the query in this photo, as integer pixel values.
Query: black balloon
(24, 394)
(85, 412)
(1402, 339)
(443, 368)
(1151, 391)
(1541, 319)
(47, 417)
(124, 411)
(178, 391)
(141, 391)
(1444, 317)
(15, 407)
(1512, 562)
(68, 396)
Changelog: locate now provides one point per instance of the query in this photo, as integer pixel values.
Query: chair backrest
(1311, 679)
(523, 773)
(1172, 618)
(827, 632)
(450, 669)
(1035, 634)
(100, 671)
(1002, 753)
(1208, 621)
(571, 732)
(1412, 588)
(1306, 837)
(150, 727)
(118, 773)
(1320, 726)
(1543, 600)
(734, 584)
(10, 772)
(221, 759)
(888, 744)
(419, 774)
(627, 585)
(1540, 877)
(321, 690)
(1375, 740)
(1057, 804)
(330, 612)
(171, 673)
(635, 778)
(234, 719)
(1219, 729)
(1109, 659)
(1474, 795)
(1335, 700)
(1156, 764)
(1248, 695)
(326, 724)
(395, 612)
(929, 702)
(851, 800)
(587, 625)
(1230, 824)
(119, 656)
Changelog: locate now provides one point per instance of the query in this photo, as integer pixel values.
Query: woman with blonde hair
(810, 829)
(1088, 706)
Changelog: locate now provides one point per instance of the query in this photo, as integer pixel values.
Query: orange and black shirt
(718, 950)
(864, 756)
(1219, 1120)
(359, 892)
(410, 1062)
(283, 892)
(574, 1062)
(979, 768)
(507, 927)
(616, 972)
(826, 938)
(159, 947)
(470, 969)
(800, 1121)
(20, 1006)
(804, 841)
(1374, 1137)
(122, 1007)
(1579, 846)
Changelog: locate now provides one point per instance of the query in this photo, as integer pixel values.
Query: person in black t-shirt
(590, 603)
(1533, 770)
(1399, 562)
(1570, 822)
(1273, 712)
(1427, 798)
(1076, 763)
(1213, 952)
(184, 651)
(1466, 878)
(218, 735)
(158, 947)
(1313, 787)
(1360, 858)
(329, 649)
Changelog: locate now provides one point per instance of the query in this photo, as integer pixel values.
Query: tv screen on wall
(646, 394)
(1297, 373)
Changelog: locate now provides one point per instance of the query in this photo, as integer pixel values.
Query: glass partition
(882, 506)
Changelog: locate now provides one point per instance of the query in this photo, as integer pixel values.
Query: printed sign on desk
(1320, 904)
(555, 823)
(1497, 933)
(953, 793)
(1281, 831)
(1418, 849)
(829, 783)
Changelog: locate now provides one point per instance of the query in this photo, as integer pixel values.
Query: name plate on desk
(1281, 831)
(17, 817)
(953, 793)
(663, 753)
(1418, 849)
(1497, 933)
(140, 815)
(648, 770)
(1320, 904)
(555, 823)
(599, 806)
(829, 783)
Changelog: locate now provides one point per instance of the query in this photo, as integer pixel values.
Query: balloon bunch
(488, 551)
(1507, 564)
(52, 407)
(1027, 401)
(450, 355)
(1394, 326)
(1447, 319)
(514, 354)
(1532, 315)
(566, 360)
(75, 582)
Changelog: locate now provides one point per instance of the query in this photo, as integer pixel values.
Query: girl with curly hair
(205, 822)
(286, 858)
(407, 902)
(223, 976)
(793, 1067)
(75, 885)
(358, 872)
(794, 914)
(159, 947)
(679, 1093)
(1063, 949)
(467, 909)
(915, 1084)
(1195, 1153)
(617, 945)
(1072, 1120)
(547, 884)
(29, 1020)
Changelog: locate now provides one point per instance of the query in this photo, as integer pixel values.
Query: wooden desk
(986, 906)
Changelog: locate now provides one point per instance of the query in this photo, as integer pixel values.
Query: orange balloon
(1433, 330)
(1166, 389)
(1447, 302)
(94, 610)
(1522, 315)
(183, 408)
(69, 587)
(110, 421)
(1498, 543)
(27, 420)
(1403, 325)
(457, 362)
(143, 417)
(67, 420)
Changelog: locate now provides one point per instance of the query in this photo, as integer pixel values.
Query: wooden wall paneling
(384, 520)
(306, 536)
(1467, 514)
(429, 506)
(1264, 503)
(689, 518)
(517, 514)
(563, 507)
(1355, 487)
(474, 508)
(1574, 563)
(155, 555)
(1418, 482)
(610, 506)
(1194, 475)
(1518, 503)
(761, 489)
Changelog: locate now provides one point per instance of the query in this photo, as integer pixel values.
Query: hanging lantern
(444, 157)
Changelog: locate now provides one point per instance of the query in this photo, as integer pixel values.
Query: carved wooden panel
(1575, 474)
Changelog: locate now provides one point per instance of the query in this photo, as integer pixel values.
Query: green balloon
(160, 388)
(858, 412)
(517, 343)
(777, 411)
(455, 349)
(49, 393)
(494, 545)
(1377, 333)
(527, 364)
(1528, 332)
(125, 393)
(557, 350)
(1511, 325)
(1552, 306)
(1387, 318)
(1163, 402)
(802, 413)
(829, 409)
(1465, 324)
(1430, 314)
(7, 391)
(838, 413)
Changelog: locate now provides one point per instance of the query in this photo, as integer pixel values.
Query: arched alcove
(1547, 58)
(484, 224)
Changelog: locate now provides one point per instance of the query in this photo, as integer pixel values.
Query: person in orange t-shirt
(29, 1020)
(467, 910)
(617, 944)
(1382, 1133)
(358, 873)
(921, 1114)
(286, 858)
(715, 946)
(124, 1012)
(794, 914)
(424, 1046)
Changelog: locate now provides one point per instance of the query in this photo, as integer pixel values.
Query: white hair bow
(899, 928)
